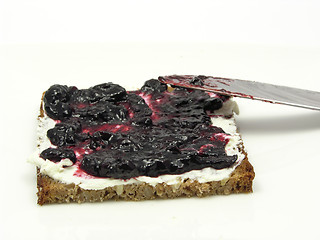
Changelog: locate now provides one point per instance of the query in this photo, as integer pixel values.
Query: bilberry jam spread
(109, 132)
(56, 154)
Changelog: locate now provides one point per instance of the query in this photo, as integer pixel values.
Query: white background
(84, 43)
(294, 22)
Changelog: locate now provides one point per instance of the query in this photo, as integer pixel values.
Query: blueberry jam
(109, 132)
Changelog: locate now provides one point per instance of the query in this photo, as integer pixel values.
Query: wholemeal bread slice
(55, 190)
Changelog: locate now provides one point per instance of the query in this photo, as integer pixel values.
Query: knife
(247, 89)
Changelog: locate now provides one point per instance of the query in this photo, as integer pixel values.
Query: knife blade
(247, 89)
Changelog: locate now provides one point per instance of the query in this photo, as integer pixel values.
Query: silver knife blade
(248, 89)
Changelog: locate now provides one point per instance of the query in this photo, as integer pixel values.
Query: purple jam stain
(109, 132)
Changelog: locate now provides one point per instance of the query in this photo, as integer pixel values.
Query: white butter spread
(67, 175)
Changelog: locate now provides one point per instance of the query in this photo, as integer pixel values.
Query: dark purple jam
(110, 132)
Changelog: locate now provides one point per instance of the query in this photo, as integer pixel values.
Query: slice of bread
(51, 190)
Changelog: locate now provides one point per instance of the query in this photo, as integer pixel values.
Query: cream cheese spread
(65, 172)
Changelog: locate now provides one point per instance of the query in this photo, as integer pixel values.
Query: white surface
(283, 144)
(294, 22)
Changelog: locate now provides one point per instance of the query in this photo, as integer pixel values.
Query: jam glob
(113, 133)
